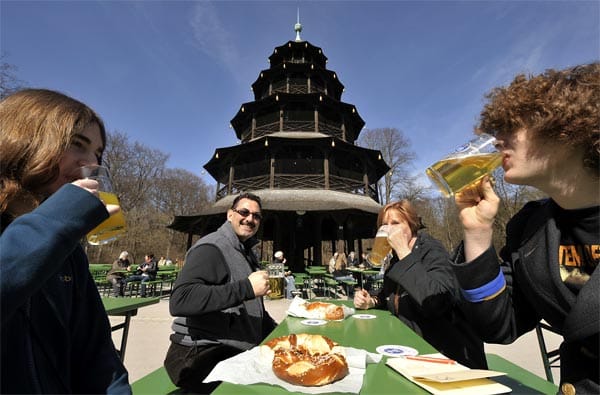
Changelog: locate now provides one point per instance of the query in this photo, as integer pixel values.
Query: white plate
(393, 350)
(364, 316)
(313, 322)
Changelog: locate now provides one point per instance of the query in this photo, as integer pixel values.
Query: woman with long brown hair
(55, 333)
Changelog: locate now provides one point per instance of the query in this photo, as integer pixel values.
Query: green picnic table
(125, 307)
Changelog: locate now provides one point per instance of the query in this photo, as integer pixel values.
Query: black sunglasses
(244, 212)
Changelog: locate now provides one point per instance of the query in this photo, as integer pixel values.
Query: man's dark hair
(246, 195)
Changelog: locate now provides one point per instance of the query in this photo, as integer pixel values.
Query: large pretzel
(307, 360)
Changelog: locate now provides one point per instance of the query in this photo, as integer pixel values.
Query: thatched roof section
(280, 200)
(302, 199)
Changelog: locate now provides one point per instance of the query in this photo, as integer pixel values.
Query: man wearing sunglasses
(217, 299)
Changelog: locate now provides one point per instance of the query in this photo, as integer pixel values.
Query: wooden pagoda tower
(298, 154)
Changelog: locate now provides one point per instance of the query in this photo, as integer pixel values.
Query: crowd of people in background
(547, 129)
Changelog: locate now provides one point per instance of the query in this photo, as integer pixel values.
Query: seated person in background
(352, 259)
(331, 267)
(290, 285)
(162, 261)
(421, 290)
(145, 272)
(364, 263)
(116, 274)
(279, 258)
(341, 262)
(340, 273)
(370, 279)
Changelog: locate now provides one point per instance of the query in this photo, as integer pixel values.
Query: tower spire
(298, 26)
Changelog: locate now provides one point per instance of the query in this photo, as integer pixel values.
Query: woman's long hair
(36, 128)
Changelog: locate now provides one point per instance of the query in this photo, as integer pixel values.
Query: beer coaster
(364, 316)
(313, 322)
(393, 350)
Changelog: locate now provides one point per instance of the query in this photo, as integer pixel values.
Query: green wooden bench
(302, 283)
(104, 287)
(154, 287)
(331, 285)
(157, 382)
(348, 286)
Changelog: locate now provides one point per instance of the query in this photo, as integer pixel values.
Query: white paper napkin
(250, 367)
(297, 309)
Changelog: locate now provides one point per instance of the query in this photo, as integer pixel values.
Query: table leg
(125, 326)
(359, 279)
(125, 334)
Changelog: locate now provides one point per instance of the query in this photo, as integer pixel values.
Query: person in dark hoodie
(217, 299)
(56, 337)
(548, 131)
(420, 288)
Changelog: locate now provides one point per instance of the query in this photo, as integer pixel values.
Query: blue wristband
(480, 294)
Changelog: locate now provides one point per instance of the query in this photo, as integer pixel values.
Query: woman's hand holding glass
(362, 299)
(92, 187)
(401, 239)
(115, 225)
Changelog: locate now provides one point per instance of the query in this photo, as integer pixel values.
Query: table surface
(368, 334)
(316, 269)
(114, 306)
(366, 271)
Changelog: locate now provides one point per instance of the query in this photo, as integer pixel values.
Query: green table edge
(114, 306)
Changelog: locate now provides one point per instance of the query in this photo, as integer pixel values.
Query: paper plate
(393, 350)
(364, 316)
(313, 322)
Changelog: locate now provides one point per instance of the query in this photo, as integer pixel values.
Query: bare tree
(395, 150)
(133, 167)
(9, 83)
(179, 192)
(413, 190)
(150, 196)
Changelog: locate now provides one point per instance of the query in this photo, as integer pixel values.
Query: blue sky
(173, 74)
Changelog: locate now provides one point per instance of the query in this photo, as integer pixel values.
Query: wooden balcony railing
(298, 181)
(265, 129)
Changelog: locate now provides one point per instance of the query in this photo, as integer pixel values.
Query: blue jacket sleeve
(35, 245)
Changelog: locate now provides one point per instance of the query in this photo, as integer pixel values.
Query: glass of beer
(381, 247)
(466, 165)
(114, 226)
(275, 271)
